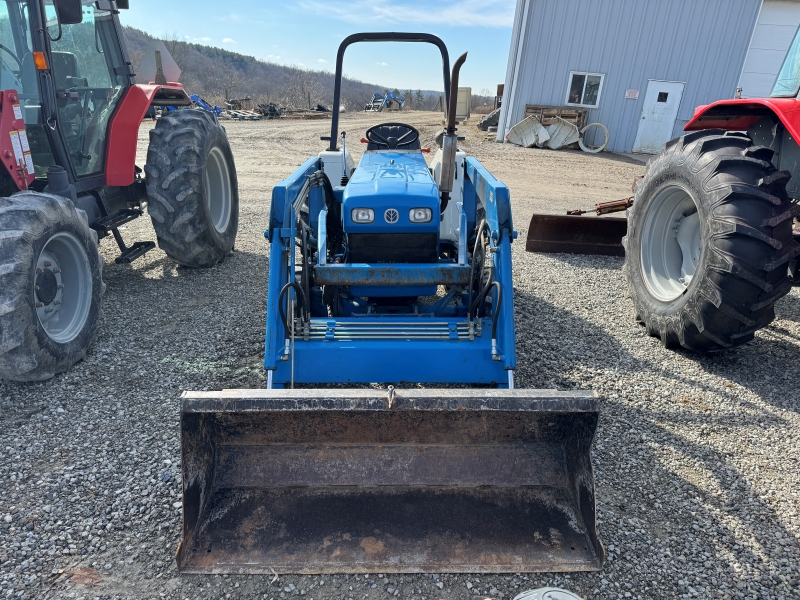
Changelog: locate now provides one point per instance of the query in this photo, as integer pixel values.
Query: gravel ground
(696, 457)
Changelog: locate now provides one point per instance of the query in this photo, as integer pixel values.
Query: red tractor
(69, 120)
(709, 242)
(710, 245)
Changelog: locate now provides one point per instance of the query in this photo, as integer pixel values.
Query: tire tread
(745, 269)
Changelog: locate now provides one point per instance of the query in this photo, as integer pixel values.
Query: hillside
(217, 74)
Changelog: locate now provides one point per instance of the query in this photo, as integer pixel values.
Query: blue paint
(395, 361)
(284, 193)
(449, 357)
(391, 291)
(494, 197)
(391, 180)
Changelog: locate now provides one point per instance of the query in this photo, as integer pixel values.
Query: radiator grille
(393, 247)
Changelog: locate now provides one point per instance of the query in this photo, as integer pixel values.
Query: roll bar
(383, 37)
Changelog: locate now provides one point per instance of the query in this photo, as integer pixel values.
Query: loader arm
(421, 360)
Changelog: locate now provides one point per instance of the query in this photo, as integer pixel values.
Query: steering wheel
(14, 56)
(407, 135)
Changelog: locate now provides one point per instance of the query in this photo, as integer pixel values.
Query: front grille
(393, 247)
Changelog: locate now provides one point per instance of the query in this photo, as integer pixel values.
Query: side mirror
(70, 12)
(123, 4)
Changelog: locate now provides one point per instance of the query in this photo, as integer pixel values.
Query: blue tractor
(387, 282)
(390, 101)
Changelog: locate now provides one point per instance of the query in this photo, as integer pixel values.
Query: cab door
(90, 78)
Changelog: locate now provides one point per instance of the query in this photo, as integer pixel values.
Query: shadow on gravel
(726, 521)
(641, 497)
(547, 348)
(775, 350)
(788, 307)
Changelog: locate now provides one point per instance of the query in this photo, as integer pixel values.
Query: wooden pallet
(545, 114)
(244, 115)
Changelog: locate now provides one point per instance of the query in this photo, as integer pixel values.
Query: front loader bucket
(577, 234)
(356, 481)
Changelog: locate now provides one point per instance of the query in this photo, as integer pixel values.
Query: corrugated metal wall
(700, 42)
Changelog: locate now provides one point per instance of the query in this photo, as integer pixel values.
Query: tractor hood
(391, 180)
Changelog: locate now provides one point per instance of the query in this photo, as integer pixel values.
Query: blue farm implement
(396, 272)
(380, 103)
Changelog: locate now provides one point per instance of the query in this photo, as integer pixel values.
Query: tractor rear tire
(193, 196)
(51, 284)
(709, 241)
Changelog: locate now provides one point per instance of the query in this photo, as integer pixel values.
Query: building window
(584, 89)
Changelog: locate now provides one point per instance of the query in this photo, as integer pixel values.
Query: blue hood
(385, 180)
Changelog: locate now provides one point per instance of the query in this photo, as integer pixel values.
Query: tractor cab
(67, 82)
(70, 113)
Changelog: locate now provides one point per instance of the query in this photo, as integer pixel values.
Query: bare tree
(177, 48)
(136, 56)
(304, 90)
(231, 82)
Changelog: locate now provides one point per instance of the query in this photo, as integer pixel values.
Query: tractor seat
(389, 136)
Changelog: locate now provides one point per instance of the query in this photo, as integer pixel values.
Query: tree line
(220, 75)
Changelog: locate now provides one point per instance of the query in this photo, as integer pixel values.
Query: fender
(739, 115)
(123, 134)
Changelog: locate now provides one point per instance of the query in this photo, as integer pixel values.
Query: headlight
(420, 215)
(362, 215)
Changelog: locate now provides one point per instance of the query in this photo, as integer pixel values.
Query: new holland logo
(391, 216)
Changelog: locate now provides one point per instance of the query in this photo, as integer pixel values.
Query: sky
(307, 33)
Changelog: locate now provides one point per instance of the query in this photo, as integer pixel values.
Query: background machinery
(398, 272)
(709, 242)
(390, 101)
(69, 123)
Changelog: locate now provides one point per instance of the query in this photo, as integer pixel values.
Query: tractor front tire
(709, 241)
(51, 284)
(193, 195)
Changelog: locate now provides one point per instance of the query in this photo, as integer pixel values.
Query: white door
(774, 32)
(660, 110)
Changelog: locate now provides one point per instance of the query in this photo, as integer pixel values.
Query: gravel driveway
(697, 458)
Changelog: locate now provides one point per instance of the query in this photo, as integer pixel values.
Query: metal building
(641, 67)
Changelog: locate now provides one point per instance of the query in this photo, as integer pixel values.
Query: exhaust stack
(450, 139)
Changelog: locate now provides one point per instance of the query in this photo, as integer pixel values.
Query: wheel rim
(63, 287)
(218, 190)
(671, 243)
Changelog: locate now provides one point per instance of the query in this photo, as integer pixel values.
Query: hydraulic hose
(495, 318)
(334, 219)
(478, 240)
(496, 309)
(304, 249)
(479, 299)
(300, 296)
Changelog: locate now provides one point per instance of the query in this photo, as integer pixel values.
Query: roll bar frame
(383, 37)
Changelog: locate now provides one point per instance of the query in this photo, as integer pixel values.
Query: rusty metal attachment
(606, 208)
(577, 235)
(327, 481)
